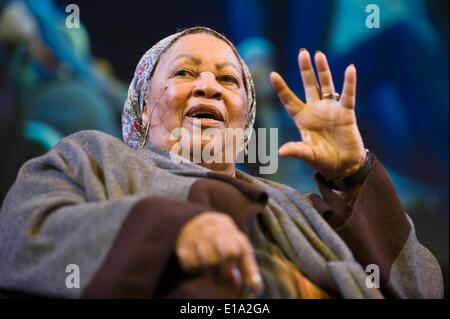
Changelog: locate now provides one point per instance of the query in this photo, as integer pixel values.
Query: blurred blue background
(55, 81)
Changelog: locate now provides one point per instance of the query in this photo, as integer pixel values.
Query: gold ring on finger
(333, 96)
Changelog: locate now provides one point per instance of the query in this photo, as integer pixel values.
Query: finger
(230, 247)
(229, 272)
(298, 150)
(229, 252)
(308, 77)
(188, 259)
(290, 101)
(207, 254)
(236, 276)
(349, 89)
(226, 249)
(248, 266)
(324, 73)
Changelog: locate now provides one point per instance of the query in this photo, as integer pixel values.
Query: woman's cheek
(175, 101)
(239, 112)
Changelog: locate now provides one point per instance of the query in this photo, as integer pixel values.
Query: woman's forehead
(201, 48)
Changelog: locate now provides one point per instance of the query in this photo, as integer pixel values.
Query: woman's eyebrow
(227, 63)
(199, 61)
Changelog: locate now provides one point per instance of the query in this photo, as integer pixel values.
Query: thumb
(298, 150)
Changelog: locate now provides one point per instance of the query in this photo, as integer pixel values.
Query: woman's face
(197, 83)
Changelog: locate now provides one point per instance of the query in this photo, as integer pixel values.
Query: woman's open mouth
(205, 115)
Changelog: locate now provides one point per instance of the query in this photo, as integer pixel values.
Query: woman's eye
(183, 73)
(229, 79)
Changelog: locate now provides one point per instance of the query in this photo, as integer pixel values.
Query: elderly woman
(96, 217)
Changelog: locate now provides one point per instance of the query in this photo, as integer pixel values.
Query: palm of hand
(331, 142)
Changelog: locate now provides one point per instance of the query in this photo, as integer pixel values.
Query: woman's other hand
(212, 240)
(331, 142)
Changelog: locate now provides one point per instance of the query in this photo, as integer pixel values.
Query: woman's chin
(207, 150)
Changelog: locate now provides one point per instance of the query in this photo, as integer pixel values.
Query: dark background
(402, 96)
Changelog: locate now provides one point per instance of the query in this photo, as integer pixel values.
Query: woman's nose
(207, 86)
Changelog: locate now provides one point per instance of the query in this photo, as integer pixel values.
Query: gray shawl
(67, 206)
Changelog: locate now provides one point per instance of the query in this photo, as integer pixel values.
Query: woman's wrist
(352, 179)
(355, 168)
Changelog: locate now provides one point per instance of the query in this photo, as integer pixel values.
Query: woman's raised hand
(331, 142)
(212, 240)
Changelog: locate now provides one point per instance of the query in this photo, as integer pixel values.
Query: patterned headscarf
(133, 130)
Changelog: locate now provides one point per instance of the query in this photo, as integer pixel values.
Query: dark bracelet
(349, 182)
